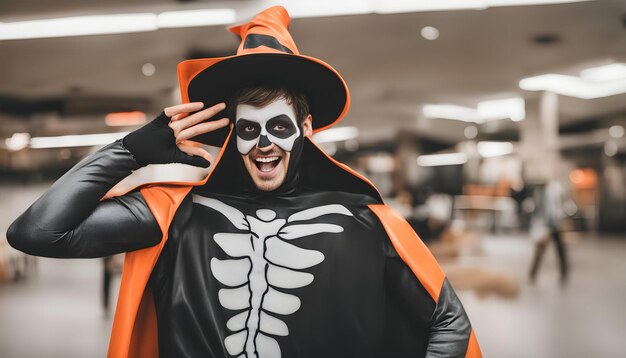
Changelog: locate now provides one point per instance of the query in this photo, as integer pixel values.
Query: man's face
(265, 138)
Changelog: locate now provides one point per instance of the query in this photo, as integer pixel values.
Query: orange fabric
(473, 349)
(411, 249)
(145, 334)
(189, 69)
(134, 332)
(272, 22)
(132, 308)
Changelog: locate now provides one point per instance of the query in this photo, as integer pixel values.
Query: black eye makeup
(281, 127)
(248, 130)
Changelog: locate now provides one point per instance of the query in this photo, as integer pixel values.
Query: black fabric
(324, 89)
(320, 172)
(256, 40)
(69, 220)
(155, 143)
(450, 328)
(344, 312)
(314, 171)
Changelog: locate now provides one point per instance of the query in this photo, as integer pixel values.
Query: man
(279, 252)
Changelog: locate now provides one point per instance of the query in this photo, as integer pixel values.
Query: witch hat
(267, 55)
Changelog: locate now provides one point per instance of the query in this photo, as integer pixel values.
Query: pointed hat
(267, 55)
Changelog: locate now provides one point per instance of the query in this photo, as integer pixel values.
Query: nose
(263, 142)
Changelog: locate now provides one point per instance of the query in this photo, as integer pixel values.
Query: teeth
(266, 160)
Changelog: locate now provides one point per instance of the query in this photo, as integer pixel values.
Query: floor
(57, 312)
(584, 318)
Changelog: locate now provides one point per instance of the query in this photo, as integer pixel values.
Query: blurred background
(496, 127)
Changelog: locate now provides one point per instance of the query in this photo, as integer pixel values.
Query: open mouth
(267, 164)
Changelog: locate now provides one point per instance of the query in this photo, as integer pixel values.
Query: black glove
(155, 143)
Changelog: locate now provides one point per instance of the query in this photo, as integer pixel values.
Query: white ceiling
(389, 67)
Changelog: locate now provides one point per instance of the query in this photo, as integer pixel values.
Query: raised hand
(164, 140)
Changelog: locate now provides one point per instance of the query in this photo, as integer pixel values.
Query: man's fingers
(182, 123)
(201, 128)
(183, 108)
(197, 151)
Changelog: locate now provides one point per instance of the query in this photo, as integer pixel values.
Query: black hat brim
(324, 89)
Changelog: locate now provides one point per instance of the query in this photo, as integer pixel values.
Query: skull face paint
(262, 126)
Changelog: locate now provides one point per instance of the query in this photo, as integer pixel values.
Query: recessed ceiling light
(470, 132)
(616, 131)
(148, 69)
(429, 33)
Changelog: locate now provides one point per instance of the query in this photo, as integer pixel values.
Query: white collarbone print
(263, 259)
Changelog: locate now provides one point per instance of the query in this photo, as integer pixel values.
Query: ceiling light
(450, 111)
(113, 23)
(329, 8)
(596, 82)
(435, 160)
(119, 119)
(17, 141)
(337, 134)
(494, 149)
(614, 71)
(80, 140)
(192, 18)
(429, 33)
(140, 22)
(496, 3)
(399, 6)
(78, 26)
(616, 131)
(470, 132)
(513, 108)
(148, 69)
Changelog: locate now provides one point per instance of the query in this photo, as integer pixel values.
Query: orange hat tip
(280, 13)
(278, 10)
(276, 13)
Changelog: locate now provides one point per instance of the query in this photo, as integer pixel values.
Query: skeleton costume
(319, 267)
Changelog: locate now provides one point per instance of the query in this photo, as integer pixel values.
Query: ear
(307, 126)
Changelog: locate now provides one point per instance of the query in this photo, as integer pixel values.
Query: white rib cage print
(263, 259)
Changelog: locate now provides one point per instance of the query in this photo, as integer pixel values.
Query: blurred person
(546, 226)
(279, 252)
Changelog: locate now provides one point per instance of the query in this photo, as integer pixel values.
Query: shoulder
(168, 203)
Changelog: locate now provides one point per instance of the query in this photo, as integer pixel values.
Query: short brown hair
(259, 96)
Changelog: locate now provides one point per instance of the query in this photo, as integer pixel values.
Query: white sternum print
(263, 261)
